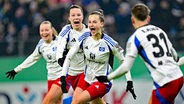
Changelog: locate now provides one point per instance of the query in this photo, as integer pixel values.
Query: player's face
(95, 25)
(76, 18)
(46, 32)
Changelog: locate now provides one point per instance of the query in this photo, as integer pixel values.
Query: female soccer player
(67, 38)
(98, 49)
(46, 48)
(153, 45)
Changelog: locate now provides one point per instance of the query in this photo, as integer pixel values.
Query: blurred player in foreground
(98, 49)
(46, 48)
(154, 47)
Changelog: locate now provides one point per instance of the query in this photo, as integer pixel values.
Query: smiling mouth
(92, 29)
(76, 22)
(45, 35)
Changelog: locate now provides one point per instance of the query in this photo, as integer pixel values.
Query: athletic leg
(54, 96)
(80, 96)
(150, 100)
(98, 101)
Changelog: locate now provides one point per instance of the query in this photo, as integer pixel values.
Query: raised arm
(30, 60)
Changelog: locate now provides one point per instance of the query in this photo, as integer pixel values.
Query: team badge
(102, 49)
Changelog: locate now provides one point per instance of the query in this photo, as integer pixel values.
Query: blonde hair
(55, 33)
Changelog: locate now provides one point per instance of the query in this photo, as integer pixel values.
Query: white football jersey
(99, 55)
(48, 52)
(154, 47)
(67, 38)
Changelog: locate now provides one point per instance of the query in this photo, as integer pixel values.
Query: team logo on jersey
(73, 40)
(49, 56)
(54, 48)
(102, 49)
(86, 47)
(92, 56)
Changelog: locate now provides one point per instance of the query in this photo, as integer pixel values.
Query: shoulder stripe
(65, 31)
(83, 36)
(39, 45)
(109, 40)
(40, 42)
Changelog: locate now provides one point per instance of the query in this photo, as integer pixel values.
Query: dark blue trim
(142, 52)
(161, 98)
(63, 33)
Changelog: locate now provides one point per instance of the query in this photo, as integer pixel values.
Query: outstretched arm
(122, 69)
(32, 59)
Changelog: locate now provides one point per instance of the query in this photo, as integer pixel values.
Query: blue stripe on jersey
(109, 86)
(107, 72)
(109, 40)
(84, 36)
(142, 52)
(63, 33)
(111, 56)
(39, 45)
(85, 69)
(156, 84)
(109, 83)
(68, 37)
(161, 98)
(81, 45)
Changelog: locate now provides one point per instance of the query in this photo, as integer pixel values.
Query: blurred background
(19, 34)
(20, 19)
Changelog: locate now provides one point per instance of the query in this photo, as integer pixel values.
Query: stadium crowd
(20, 19)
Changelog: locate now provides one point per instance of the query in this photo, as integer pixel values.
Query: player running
(67, 38)
(153, 45)
(98, 49)
(46, 48)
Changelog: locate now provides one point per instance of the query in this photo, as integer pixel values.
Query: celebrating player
(153, 45)
(67, 38)
(46, 48)
(98, 49)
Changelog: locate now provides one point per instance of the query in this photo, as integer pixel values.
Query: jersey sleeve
(124, 68)
(132, 47)
(30, 60)
(62, 41)
(118, 52)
